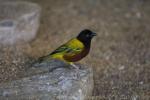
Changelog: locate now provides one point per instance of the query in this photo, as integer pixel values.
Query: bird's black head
(85, 36)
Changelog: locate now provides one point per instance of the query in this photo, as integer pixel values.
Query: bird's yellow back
(75, 43)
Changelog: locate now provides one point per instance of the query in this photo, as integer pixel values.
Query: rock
(52, 80)
(19, 21)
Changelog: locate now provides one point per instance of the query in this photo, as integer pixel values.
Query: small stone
(141, 82)
(121, 67)
(138, 14)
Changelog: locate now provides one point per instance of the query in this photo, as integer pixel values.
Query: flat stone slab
(19, 21)
(52, 80)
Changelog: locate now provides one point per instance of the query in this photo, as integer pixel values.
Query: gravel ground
(119, 54)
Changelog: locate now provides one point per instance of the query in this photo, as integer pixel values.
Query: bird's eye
(87, 35)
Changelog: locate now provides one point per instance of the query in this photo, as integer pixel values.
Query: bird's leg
(73, 65)
(76, 70)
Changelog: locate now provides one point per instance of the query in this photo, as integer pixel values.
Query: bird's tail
(44, 58)
(41, 60)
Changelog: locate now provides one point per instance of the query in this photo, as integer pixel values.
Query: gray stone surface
(19, 21)
(52, 80)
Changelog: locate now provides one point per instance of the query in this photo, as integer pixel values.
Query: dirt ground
(120, 54)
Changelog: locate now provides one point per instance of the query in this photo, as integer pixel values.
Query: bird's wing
(72, 47)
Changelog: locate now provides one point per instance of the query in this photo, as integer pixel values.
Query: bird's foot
(74, 66)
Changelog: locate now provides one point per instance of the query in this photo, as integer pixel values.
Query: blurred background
(120, 54)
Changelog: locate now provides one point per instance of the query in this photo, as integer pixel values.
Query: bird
(74, 50)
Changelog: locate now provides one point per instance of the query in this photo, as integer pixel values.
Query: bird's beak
(94, 34)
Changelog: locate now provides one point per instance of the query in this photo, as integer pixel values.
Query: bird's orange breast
(78, 56)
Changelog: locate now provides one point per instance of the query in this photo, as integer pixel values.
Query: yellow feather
(74, 44)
